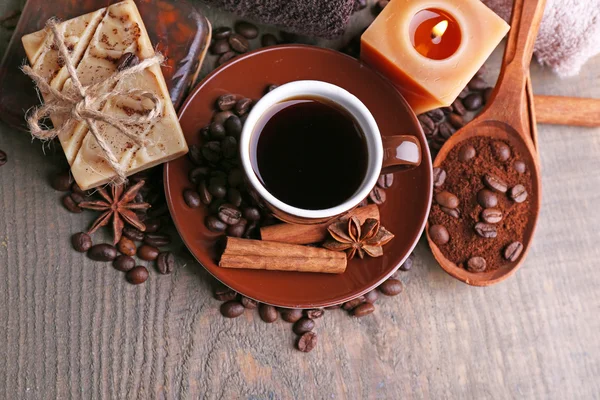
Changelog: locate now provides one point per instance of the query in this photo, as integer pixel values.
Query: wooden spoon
(505, 118)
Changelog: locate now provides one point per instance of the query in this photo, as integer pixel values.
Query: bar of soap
(118, 30)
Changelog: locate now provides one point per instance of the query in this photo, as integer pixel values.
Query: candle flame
(439, 29)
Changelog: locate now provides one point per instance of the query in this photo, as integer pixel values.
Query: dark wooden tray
(176, 27)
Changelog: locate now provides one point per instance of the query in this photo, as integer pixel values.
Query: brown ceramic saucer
(404, 213)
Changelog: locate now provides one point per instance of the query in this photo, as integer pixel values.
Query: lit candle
(431, 49)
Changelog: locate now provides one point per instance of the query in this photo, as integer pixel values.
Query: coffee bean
(386, 181)
(495, 183)
(473, 101)
(251, 231)
(127, 60)
(372, 296)
(487, 94)
(233, 126)
(513, 251)
(77, 198)
(518, 193)
(459, 108)
(519, 166)
(407, 265)
(243, 106)
(437, 115)
(291, 314)
(226, 57)
(246, 29)
(226, 102)
(229, 147)
(363, 309)
(439, 177)
(439, 235)
(205, 196)
(191, 198)
(252, 214)
(3, 158)
(377, 195)
(124, 263)
(71, 205)
(220, 46)
(195, 154)
(476, 264)
(303, 325)
(477, 84)
(307, 341)
(61, 181)
(157, 239)
(349, 305)
(152, 225)
(239, 43)
(446, 199)
(249, 303)
(223, 293)
(456, 121)
(268, 40)
(315, 313)
(81, 242)
(487, 231)
(235, 177)
(235, 197)
(147, 252)
(501, 150)
(126, 246)
(229, 214)
(466, 153)
(133, 234)
(218, 190)
(211, 151)
(334, 307)
(221, 117)
(165, 262)
(391, 287)
(491, 215)
(213, 208)
(446, 130)
(427, 124)
(137, 275)
(222, 32)
(237, 230)
(232, 309)
(453, 212)
(102, 252)
(487, 199)
(217, 131)
(267, 313)
(215, 225)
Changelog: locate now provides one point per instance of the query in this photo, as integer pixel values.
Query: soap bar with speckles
(96, 42)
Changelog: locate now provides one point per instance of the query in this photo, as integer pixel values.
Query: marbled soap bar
(119, 30)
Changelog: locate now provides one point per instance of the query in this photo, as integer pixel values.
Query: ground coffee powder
(480, 171)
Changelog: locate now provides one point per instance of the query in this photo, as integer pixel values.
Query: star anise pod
(119, 206)
(349, 236)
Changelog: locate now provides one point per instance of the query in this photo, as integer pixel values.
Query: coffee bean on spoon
(519, 166)
(495, 183)
(211, 151)
(271, 87)
(439, 177)
(501, 150)
(229, 147)
(466, 153)
(476, 264)
(513, 251)
(243, 106)
(218, 190)
(229, 214)
(453, 212)
(226, 102)
(217, 131)
(215, 225)
(487, 231)
(195, 154)
(518, 193)
(191, 198)
(377, 195)
(491, 215)
(487, 199)
(446, 199)
(233, 126)
(252, 214)
(386, 181)
(439, 234)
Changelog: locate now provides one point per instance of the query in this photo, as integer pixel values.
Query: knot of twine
(82, 103)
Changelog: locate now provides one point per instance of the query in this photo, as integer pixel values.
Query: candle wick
(438, 30)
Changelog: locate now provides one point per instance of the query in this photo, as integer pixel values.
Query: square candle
(430, 49)
(96, 42)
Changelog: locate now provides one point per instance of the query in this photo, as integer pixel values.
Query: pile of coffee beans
(481, 205)
(3, 157)
(228, 43)
(145, 245)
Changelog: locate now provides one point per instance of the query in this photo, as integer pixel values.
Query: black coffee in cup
(309, 153)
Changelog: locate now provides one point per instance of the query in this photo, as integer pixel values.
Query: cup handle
(400, 153)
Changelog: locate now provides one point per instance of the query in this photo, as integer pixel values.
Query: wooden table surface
(73, 328)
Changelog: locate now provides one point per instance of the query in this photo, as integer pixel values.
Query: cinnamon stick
(567, 110)
(306, 234)
(259, 254)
